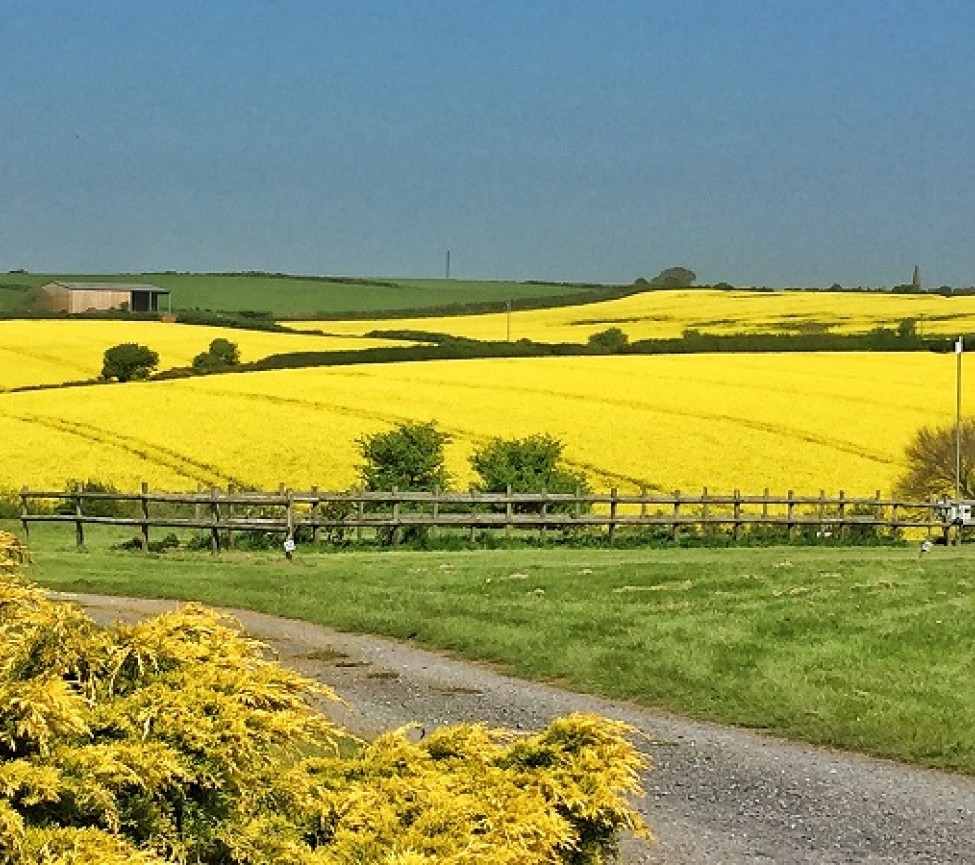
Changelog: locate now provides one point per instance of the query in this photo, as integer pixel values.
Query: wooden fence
(287, 513)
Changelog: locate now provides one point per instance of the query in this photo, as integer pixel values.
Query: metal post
(958, 351)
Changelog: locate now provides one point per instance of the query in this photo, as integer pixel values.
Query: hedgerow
(178, 739)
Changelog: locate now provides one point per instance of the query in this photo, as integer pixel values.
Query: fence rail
(288, 512)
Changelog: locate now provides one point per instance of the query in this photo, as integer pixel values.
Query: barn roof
(110, 286)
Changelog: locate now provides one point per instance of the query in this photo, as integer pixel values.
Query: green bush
(610, 341)
(221, 355)
(407, 458)
(129, 361)
(533, 464)
(9, 505)
(98, 507)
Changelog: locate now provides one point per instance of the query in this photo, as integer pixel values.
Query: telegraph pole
(448, 264)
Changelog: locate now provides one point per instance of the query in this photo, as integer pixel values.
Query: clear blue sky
(759, 142)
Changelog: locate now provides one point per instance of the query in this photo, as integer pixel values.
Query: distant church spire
(916, 280)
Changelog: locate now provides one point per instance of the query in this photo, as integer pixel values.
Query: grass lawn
(871, 649)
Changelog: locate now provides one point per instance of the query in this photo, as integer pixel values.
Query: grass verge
(863, 649)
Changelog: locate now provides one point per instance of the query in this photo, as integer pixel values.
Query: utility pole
(508, 321)
(448, 264)
(916, 279)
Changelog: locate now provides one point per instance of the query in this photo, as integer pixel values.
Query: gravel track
(716, 795)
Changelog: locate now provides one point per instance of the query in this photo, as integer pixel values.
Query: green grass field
(298, 296)
(870, 649)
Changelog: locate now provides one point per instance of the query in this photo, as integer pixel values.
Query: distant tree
(408, 457)
(222, 354)
(528, 465)
(907, 328)
(931, 461)
(129, 361)
(609, 341)
(674, 277)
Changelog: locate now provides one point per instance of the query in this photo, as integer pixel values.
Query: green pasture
(299, 296)
(869, 649)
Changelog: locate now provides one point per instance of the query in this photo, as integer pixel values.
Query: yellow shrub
(179, 740)
(12, 553)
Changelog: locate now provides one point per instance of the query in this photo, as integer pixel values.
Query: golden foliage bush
(12, 553)
(178, 739)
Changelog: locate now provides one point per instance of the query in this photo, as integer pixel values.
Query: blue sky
(760, 142)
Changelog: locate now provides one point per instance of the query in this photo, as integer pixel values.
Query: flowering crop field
(54, 351)
(802, 421)
(660, 314)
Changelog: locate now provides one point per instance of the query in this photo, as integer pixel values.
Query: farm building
(84, 296)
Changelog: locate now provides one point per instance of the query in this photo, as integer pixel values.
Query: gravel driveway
(717, 795)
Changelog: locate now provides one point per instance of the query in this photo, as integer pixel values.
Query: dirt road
(716, 795)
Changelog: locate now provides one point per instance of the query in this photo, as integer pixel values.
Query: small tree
(931, 462)
(613, 340)
(529, 465)
(408, 457)
(129, 361)
(674, 277)
(222, 354)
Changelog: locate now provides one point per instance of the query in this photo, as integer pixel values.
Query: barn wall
(54, 298)
(83, 300)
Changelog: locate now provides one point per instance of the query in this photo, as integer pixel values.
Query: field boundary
(394, 514)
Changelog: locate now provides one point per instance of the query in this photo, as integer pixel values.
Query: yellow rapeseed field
(658, 314)
(801, 421)
(51, 352)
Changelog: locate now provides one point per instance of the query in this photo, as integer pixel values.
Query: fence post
(705, 525)
(613, 493)
(790, 516)
(434, 529)
(509, 512)
(230, 517)
(214, 520)
(878, 514)
(643, 503)
(395, 537)
(314, 514)
(543, 514)
(765, 507)
(736, 526)
(675, 533)
(290, 516)
(822, 514)
(473, 530)
(361, 513)
(145, 517)
(24, 513)
(842, 511)
(79, 526)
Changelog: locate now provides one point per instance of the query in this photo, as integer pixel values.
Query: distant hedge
(441, 346)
